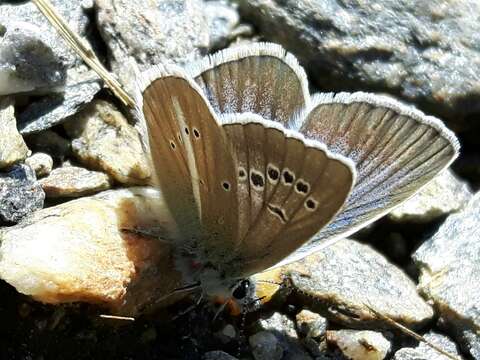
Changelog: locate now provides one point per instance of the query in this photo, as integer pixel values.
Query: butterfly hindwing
(289, 188)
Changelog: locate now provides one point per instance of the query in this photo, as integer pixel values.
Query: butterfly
(258, 173)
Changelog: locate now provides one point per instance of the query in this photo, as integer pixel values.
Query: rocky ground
(64, 140)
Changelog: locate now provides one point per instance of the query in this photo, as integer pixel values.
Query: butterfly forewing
(292, 189)
(190, 155)
(258, 78)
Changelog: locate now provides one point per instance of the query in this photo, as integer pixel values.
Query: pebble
(360, 345)
(12, 146)
(41, 163)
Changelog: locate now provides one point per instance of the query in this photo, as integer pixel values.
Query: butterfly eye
(241, 290)
(302, 187)
(311, 204)
(288, 177)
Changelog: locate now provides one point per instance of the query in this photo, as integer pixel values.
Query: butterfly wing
(396, 150)
(189, 154)
(288, 188)
(259, 78)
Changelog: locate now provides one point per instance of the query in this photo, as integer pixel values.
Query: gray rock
(310, 324)
(49, 142)
(443, 195)
(218, 355)
(41, 163)
(12, 146)
(105, 141)
(151, 32)
(342, 281)
(426, 52)
(265, 346)
(29, 61)
(449, 272)
(51, 110)
(425, 352)
(222, 19)
(20, 194)
(74, 181)
(284, 330)
(360, 345)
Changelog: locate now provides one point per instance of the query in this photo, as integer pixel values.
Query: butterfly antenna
(83, 49)
(117, 317)
(410, 333)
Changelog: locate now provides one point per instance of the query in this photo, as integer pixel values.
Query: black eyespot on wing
(196, 133)
(273, 174)
(302, 187)
(288, 177)
(242, 174)
(172, 144)
(277, 211)
(187, 132)
(257, 179)
(226, 185)
(311, 204)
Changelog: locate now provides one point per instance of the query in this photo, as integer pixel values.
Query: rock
(72, 12)
(91, 250)
(151, 32)
(49, 142)
(222, 20)
(341, 280)
(265, 346)
(12, 147)
(41, 163)
(443, 195)
(284, 330)
(74, 181)
(29, 62)
(427, 54)
(449, 271)
(425, 352)
(360, 345)
(310, 324)
(51, 110)
(218, 355)
(103, 140)
(20, 194)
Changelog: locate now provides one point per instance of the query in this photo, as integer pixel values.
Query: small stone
(443, 195)
(49, 142)
(29, 62)
(82, 85)
(265, 346)
(93, 250)
(222, 19)
(103, 140)
(73, 181)
(310, 324)
(218, 355)
(151, 32)
(20, 194)
(360, 345)
(12, 147)
(284, 329)
(41, 163)
(425, 352)
(449, 271)
(341, 280)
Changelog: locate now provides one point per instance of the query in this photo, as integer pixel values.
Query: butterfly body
(257, 173)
